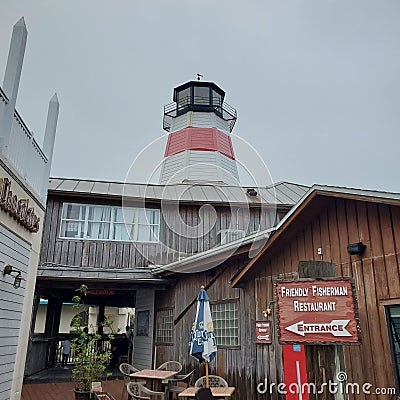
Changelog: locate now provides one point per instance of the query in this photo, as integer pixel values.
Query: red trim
(203, 139)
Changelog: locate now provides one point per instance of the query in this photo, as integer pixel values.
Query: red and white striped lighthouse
(199, 146)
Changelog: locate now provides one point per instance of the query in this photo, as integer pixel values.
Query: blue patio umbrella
(202, 344)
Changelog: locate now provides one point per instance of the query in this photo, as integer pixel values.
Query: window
(201, 95)
(226, 323)
(184, 98)
(83, 221)
(164, 326)
(393, 314)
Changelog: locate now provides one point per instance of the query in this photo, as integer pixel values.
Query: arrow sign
(266, 337)
(336, 327)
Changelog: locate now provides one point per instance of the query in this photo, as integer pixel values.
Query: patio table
(154, 375)
(216, 391)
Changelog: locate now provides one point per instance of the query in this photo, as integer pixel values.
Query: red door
(295, 371)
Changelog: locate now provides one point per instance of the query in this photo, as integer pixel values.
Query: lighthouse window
(184, 98)
(97, 222)
(216, 99)
(201, 95)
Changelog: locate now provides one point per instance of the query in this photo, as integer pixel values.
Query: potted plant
(92, 355)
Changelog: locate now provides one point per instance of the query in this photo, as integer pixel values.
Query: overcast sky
(315, 82)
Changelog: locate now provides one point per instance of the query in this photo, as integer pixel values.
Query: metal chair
(136, 390)
(213, 381)
(125, 370)
(174, 388)
(171, 366)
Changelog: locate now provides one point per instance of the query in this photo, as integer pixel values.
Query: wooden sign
(317, 311)
(263, 332)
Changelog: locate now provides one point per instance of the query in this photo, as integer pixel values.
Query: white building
(24, 172)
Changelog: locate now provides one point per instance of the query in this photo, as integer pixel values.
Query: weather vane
(199, 76)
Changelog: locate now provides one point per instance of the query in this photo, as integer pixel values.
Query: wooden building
(320, 227)
(117, 244)
(326, 221)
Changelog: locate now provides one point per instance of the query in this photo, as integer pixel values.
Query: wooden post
(207, 382)
(52, 325)
(323, 361)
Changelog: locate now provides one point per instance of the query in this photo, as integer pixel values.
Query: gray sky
(315, 82)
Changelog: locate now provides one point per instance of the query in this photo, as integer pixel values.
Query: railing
(3, 96)
(24, 153)
(197, 103)
(104, 345)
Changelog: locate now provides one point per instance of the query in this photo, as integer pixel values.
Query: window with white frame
(85, 221)
(164, 326)
(226, 323)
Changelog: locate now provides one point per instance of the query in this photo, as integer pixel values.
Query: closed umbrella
(202, 344)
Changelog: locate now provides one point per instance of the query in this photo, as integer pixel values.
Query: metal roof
(63, 272)
(282, 193)
(211, 258)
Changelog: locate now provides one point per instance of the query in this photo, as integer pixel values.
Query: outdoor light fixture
(8, 270)
(252, 192)
(268, 311)
(356, 248)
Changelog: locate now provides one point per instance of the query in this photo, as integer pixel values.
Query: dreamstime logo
(338, 386)
(191, 219)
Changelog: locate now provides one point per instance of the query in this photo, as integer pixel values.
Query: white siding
(180, 122)
(15, 252)
(220, 124)
(199, 120)
(172, 170)
(143, 345)
(198, 165)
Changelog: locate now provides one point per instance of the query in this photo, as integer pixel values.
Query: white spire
(15, 59)
(11, 81)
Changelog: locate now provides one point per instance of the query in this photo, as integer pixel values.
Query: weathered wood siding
(236, 364)
(338, 223)
(14, 251)
(143, 345)
(198, 232)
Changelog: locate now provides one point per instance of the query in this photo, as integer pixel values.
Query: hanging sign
(317, 311)
(263, 332)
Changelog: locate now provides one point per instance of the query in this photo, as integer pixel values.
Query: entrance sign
(263, 332)
(317, 311)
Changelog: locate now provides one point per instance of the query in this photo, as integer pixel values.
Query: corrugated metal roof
(62, 272)
(206, 259)
(282, 193)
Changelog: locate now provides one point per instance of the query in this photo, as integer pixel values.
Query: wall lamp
(8, 270)
(356, 248)
(268, 311)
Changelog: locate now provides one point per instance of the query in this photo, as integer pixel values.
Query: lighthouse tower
(199, 147)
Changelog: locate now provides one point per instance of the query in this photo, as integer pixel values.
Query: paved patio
(64, 390)
(56, 384)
